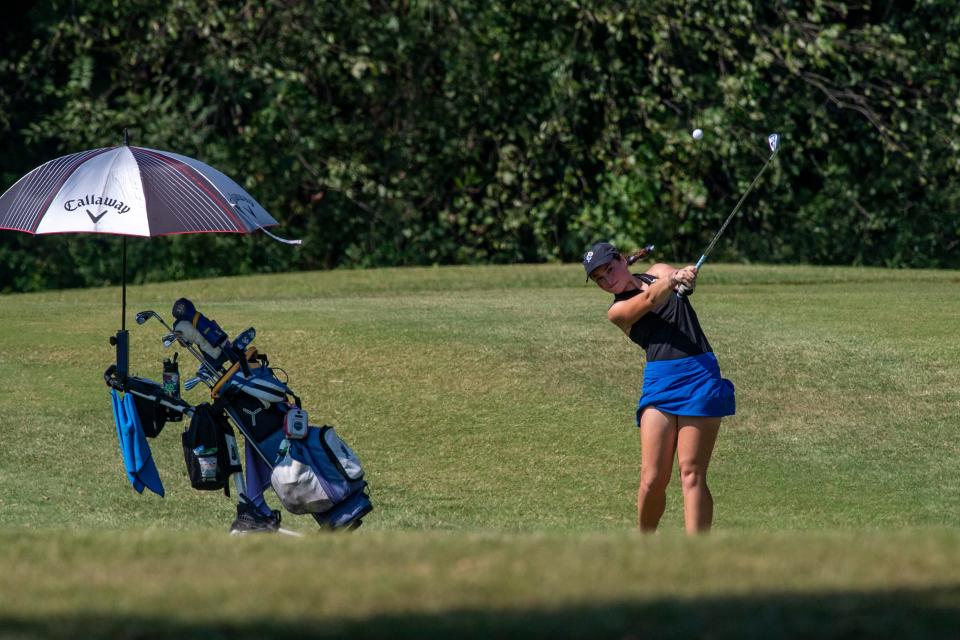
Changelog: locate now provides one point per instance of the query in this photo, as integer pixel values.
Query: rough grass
(492, 408)
(147, 584)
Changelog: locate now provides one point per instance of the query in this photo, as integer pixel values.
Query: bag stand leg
(240, 485)
(237, 476)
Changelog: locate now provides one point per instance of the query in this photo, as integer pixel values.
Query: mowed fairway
(493, 410)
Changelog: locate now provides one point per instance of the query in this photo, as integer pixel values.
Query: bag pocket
(317, 473)
(203, 465)
(299, 488)
(341, 454)
(205, 451)
(153, 415)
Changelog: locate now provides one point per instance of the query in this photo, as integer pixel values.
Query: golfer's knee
(693, 477)
(653, 482)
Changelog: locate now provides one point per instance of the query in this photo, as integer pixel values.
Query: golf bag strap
(251, 357)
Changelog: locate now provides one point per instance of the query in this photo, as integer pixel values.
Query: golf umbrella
(130, 191)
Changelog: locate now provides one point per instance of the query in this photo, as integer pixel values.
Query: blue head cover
(183, 309)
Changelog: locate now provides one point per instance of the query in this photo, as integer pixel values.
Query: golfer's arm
(626, 312)
(661, 270)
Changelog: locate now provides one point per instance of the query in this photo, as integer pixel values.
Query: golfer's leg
(658, 443)
(695, 439)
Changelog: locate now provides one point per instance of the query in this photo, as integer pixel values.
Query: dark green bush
(460, 132)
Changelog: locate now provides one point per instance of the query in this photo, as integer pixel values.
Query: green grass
(425, 584)
(492, 408)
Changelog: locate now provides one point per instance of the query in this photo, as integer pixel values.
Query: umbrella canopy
(130, 191)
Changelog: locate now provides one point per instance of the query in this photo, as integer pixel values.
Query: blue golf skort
(689, 386)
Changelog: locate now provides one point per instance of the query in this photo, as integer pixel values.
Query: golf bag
(259, 419)
(317, 475)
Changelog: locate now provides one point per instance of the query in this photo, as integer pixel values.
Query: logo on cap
(589, 256)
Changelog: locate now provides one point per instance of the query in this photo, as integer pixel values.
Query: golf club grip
(683, 290)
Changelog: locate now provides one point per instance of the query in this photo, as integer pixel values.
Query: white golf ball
(697, 134)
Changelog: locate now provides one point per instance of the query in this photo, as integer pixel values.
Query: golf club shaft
(153, 314)
(713, 242)
(773, 141)
(198, 354)
(194, 350)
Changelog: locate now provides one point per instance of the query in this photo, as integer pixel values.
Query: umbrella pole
(123, 295)
(123, 338)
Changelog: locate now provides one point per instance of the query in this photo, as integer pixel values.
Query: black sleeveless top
(669, 331)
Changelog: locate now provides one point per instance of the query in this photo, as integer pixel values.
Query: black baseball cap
(599, 255)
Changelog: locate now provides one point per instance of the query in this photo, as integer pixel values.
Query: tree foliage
(503, 131)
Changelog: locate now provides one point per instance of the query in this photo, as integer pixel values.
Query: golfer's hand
(685, 280)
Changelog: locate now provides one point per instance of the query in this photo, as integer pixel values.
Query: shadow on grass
(929, 613)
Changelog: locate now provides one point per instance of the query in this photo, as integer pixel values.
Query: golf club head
(169, 339)
(773, 140)
(143, 316)
(191, 383)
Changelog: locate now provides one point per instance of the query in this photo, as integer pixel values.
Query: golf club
(143, 316)
(773, 141)
(205, 365)
(174, 336)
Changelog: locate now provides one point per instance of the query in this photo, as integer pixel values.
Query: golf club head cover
(190, 333)
(183, 309)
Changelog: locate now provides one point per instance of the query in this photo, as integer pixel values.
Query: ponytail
(639, 254)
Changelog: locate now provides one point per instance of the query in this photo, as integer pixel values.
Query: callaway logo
(86, 201)
(589, 256)
(253, 416)
(96, 218)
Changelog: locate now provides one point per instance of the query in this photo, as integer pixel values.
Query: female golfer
(683, 396)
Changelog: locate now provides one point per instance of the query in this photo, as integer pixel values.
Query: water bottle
(171, 377)
(209, 465)
(171, 385)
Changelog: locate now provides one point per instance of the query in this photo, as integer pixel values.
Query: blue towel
(137, 460)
